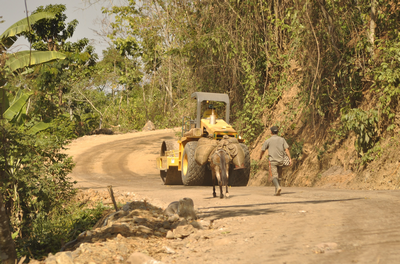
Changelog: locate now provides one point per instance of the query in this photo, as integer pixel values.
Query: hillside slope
(323, 156)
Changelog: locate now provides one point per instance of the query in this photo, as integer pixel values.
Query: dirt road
(304, 225)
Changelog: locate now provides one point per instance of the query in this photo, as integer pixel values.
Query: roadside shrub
(296, 148)
(364, 124)
(387, 78)
(48, 232)
(35, 180)
(77, 127)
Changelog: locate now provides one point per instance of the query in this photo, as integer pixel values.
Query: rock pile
(138, 233)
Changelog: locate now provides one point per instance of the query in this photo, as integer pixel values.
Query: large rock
(172, 209)
(184, 231)
(149, 126)
(184, 208)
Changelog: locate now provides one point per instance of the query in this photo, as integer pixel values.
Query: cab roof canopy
(216, 97)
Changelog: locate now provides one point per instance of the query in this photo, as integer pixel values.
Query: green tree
(150, 33)
(51, 34)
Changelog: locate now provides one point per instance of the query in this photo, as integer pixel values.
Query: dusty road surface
(304, 225)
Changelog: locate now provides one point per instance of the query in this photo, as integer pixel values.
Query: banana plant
(20, 60)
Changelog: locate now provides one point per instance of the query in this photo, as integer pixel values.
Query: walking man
(276, 146)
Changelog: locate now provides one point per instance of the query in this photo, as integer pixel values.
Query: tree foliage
(51, 33)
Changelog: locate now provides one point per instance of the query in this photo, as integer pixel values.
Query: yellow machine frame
(217, 128)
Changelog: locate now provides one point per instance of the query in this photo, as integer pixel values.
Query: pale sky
(14, 10)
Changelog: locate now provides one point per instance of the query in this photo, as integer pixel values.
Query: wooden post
(110, 190)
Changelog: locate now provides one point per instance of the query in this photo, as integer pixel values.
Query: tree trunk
(60, 94)
(170, 83)
(71, 114)
(145, 103)
(276, 12)
(372, 27)
(119, 107)
(8, 254)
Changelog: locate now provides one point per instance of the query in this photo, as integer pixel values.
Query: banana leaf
(38, 127)
(10, 35)
(25, 58)
(16, 107)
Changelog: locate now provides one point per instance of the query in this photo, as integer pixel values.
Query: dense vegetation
(336, 52)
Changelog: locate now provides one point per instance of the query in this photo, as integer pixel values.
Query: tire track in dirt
(116, 159)
(112, 161)
(372, 230)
